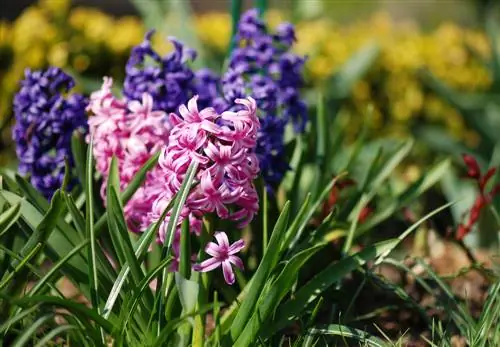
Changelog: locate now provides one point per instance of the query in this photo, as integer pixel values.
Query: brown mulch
(396, 319)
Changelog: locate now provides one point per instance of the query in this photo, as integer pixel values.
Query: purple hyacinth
(262, 66)
(270, 150)
(45, 122)
(168, 79)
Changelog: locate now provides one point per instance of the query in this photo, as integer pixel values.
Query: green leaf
(471, 107)
(179, 202)
(116, 221)
(409, 230)
(415, 190)
(278, 289)
(322, 144)
(9, 217)
(55, 268)
(79, 310)
(169, 328)
(269, 261)
(76, 215)
(236, 7)
(46, 226)
(90, 233)
(361, 337)
(42, 205)
(185, 255)
(140, 252)
(492, 30)
(58, 242)
(51, 335)
(439, 140)
(28, 334)
(133, 301)
(389, 166)
(294, 307)
(188, 292)
(304, 216)
(20, 264)
(352, 71)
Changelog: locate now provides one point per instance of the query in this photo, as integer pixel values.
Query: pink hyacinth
(132, 132)
(223, 145)
(223, 254)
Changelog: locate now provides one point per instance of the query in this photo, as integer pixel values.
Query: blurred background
(427, 52)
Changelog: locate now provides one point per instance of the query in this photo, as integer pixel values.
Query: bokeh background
(92, 38)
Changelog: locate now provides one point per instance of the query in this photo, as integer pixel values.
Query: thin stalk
(236, 6)
(265, 231)
(204, 283)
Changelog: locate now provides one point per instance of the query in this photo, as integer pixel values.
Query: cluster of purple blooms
(261, 66)
(45, 122)
(233, 126)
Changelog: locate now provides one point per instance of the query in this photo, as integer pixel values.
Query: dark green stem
(261, 6)
(236, 6)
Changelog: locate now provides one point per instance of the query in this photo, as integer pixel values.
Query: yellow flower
(57, 7)
(125, 33)
(214, 30)
(94, 24)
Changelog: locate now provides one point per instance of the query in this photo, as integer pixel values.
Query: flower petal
(222, 239)
(228, 272)
(236, 261)
(236, 247)
(207, 265)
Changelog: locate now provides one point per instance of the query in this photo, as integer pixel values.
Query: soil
(397, 318)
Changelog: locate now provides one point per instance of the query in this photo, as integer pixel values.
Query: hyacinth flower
(223, 254)
(132, 132)
(262, 66)
(168, 79)
(223, 146)
(45, 122)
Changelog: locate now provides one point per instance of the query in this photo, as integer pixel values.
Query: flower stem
(236, 6)
(265, 233)
(261, 6)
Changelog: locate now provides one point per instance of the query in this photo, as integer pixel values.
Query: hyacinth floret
(45, 121)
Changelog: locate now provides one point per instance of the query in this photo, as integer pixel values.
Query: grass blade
(179, 202)
(362, 337)
(90, 233)
(293, 308)
(258, 282)
(9, 217)
(278, 289)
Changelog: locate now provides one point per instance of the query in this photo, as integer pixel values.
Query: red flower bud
(473, 170)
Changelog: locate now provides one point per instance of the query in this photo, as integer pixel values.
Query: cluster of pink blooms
(222, 145)
(132, 132)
